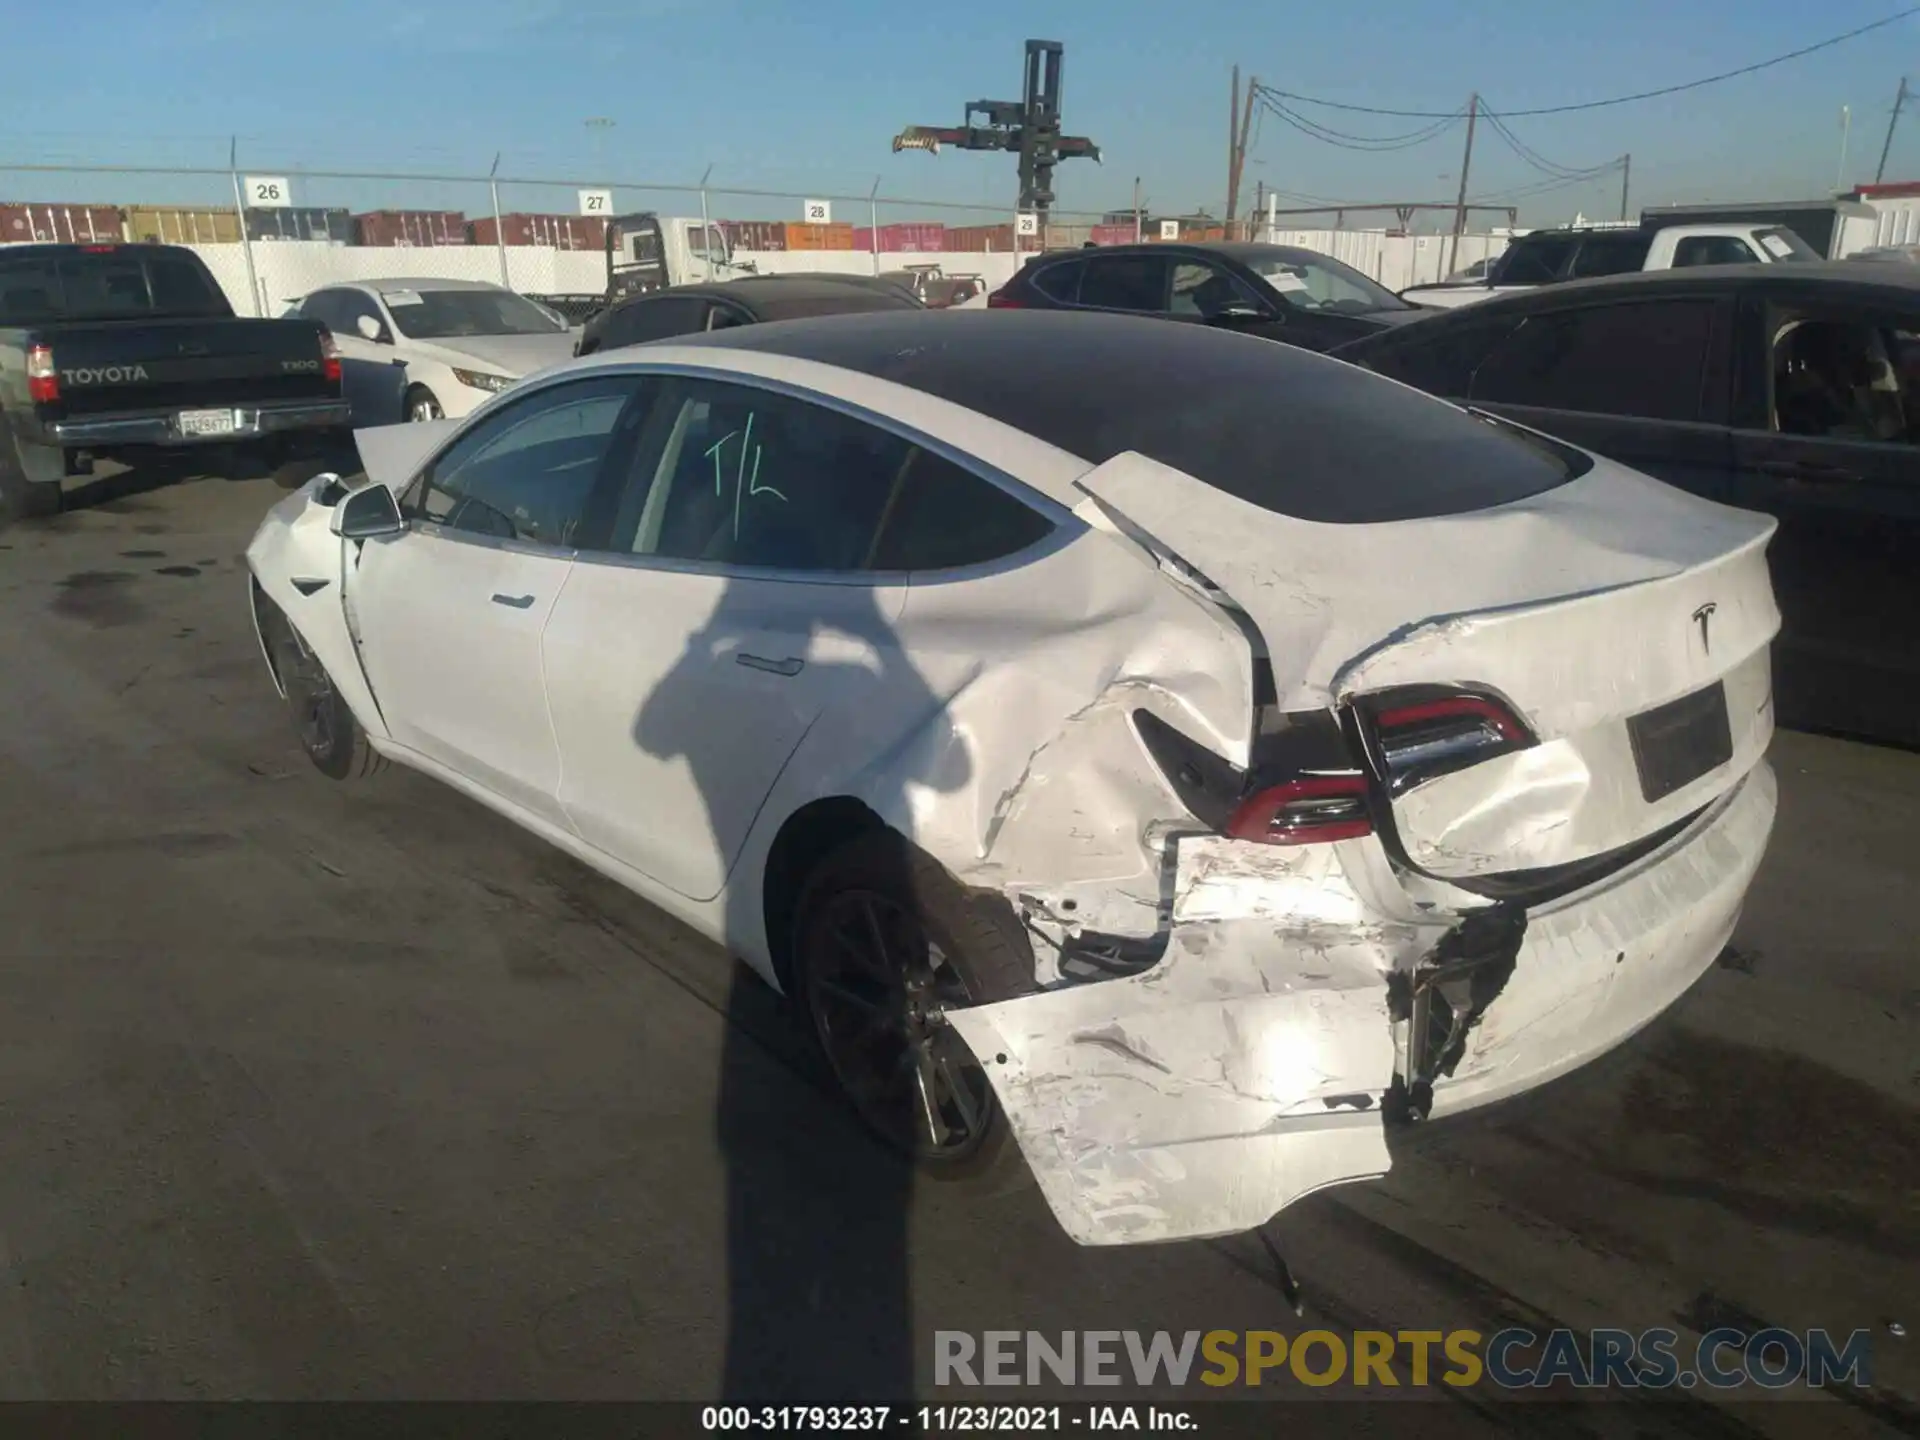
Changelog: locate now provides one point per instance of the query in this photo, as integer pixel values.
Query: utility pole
(1239, 130)
(1466, 164)
(1136, 210)
(1899, 102)
(1846, 132)
(1626, 179)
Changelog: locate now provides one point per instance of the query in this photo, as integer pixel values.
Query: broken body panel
(1305, 992)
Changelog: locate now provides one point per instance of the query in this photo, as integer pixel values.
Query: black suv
(1277, 292)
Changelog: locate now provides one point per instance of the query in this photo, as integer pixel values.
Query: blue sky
(806, 97)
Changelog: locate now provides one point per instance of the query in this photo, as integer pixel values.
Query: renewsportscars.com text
(1515, 1358)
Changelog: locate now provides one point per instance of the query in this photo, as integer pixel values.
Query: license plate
(207, 422)
(1678, 742)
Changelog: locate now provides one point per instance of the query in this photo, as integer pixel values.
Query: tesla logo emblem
(1703, 617)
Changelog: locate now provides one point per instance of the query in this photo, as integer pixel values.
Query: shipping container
(558, 232)
(754, 234)
(838, 236)
(1111, 234)
(301, 222)
(906, 237)
(411, 227)
(184, 224)
(1068, 237)
(61, 224)
(996, 239)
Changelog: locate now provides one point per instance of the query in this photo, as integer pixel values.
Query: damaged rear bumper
(1251, 1066)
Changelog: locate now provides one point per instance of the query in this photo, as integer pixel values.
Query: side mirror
(372, 329)
(367, 513)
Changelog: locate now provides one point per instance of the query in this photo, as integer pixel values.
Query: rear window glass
(105, 285)
(1291, 432)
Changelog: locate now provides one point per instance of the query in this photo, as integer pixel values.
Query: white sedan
(461, 341)
(1182, 755)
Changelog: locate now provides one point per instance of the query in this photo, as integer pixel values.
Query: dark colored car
(693, 309)
(129, 352)
(1790, 389)
(1277, 292)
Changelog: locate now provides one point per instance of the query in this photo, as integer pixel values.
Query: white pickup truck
(1547, 256)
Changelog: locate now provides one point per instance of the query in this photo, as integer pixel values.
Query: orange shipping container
(819, 237)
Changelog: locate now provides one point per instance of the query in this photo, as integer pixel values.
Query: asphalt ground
(315, 1090)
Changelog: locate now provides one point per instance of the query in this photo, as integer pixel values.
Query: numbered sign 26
(596, 202)
(816, 212)
(268, 192)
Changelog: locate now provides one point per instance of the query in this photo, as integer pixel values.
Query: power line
(1536, 159)
(1757, 66)
(1347, 141)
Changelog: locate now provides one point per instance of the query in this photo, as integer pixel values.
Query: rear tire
(423, 405)
(324, 723)
(884, 939)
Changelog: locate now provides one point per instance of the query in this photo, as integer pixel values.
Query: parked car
(691, 309)
(129, 352)
(1889, 254)
(1182, 757)
(1549, 257)
(1277, 292)
(934, 288)
(460, 340)
(1789, 389)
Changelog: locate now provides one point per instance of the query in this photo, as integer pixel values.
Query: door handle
(788, 667)
(1807, 472)
(517, 602)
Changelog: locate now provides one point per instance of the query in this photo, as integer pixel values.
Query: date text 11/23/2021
(956, 1419)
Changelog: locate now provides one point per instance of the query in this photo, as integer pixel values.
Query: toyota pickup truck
(1544, 257)
(132, 353)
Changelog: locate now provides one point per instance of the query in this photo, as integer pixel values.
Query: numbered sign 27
(268, 192)
(816, 212)
(596, 202)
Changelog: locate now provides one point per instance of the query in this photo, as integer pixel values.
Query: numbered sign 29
(596, 202)
(1026, 223)
(268, 192)
(816, 212)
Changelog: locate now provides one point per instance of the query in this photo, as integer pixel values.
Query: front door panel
(449, 634)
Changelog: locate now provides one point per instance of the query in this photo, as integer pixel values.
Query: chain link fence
(274, 233)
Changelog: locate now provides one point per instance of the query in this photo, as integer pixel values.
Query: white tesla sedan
(461, 341)
(1181, 754)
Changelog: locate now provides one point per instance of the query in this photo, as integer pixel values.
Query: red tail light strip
(43, 381)
(1315, 810)
(1456, 707)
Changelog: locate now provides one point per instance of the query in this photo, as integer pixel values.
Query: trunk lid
(119, 366)
(1583, 609)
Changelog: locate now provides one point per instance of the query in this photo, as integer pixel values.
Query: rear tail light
(1432, 736)
(1000, 300)
(1313, 810)
(329, 356)
(43, 381)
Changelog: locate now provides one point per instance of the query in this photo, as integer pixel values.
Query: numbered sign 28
(268, 192)
(596, 202)
(816, 212)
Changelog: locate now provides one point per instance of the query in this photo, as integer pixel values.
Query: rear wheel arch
(805, 838)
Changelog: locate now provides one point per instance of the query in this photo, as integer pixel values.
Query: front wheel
(885, 943)
(422, 405)
(332, 738)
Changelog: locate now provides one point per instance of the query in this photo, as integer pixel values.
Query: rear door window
(1058, 281)
(643, 320)
(1533, 262)
(732, 475)
(1443, 362)
(1645, 359)
(1610, 255)
(1712, 250)
(1126, 282)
